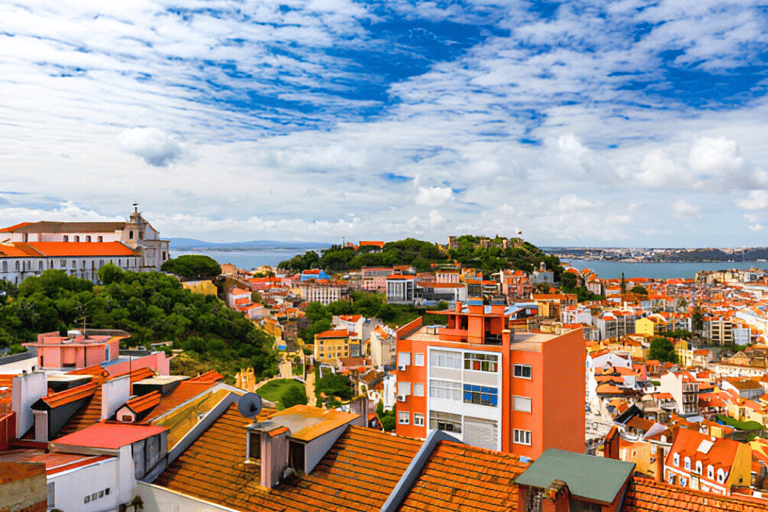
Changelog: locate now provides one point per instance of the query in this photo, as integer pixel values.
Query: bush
(294, 395)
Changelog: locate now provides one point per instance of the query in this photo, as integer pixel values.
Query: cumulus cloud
(659, 169)
(155, 146)
(756, 227)
(434, 196)
(685, 210)
(755, 200)
(712, 157)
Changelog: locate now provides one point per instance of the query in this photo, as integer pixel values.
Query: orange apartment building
(516, 392)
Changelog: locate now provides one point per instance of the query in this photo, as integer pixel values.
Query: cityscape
(404, 256)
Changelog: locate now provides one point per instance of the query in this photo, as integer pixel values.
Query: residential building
(476, 381)
(331, 346)
(322, 292)
(383, 343)
(684, 388)
(401, 289)
(709, 464)
(375, 278)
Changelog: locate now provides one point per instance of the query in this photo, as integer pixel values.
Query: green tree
(640, 290)
(623, 284)
(192, 266)
(663, 350)
(697, 318)
(294, 395)
(334, 384)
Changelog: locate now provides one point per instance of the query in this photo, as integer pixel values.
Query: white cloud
(755, 200)
(156, 147)
(685, 210)
(712, 157)
(434, 196)
(659, 169)
(436, 221)
(750, 217)
(756, 227)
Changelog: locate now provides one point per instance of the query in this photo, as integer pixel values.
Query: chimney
(41, 426)
(360, 406)
(273, 453)
(658, 466)
(459, 305)
(28, 388)
(557, 497)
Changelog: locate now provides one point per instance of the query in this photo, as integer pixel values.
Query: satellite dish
(249, 405)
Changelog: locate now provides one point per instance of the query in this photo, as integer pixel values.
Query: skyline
(580, 124)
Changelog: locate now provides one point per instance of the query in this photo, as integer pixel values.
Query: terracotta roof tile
(647, 495)
(88, 414)
(144, 402)
(461, 477)
(358, 473)
(70, 395)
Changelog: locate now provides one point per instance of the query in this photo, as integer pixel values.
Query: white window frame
(403, 359)
(522, 437)
(676, 459)
(710, 472)
(418, 359)
(518, 403)
(522, 368)
(687, 462)
(699, 467)
(418, 389)
(418, 419)
(403, 417)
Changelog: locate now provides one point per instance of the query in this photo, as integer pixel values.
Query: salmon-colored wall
(532, 388)
(413, 403)
(564, 381)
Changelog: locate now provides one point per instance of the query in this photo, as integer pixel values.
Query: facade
(684, 388)
(80, 248)
(383, 345)
(324, 293)
(331, 346)
(77, 351)
(475, 381)
(401, 289)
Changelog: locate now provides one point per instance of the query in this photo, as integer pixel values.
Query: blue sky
(619, 123)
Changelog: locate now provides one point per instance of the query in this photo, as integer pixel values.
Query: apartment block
(488, 387)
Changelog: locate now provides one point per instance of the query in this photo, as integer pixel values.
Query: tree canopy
(192, 266)
(151, 306)
(294, 395)
(663, 350)
(640, 290)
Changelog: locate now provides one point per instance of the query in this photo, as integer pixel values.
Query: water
(247, 260)
(613, 269)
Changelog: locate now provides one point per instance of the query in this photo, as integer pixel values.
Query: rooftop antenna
(249, 405)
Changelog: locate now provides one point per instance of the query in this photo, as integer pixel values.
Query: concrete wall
(72, 487)
(22, 486)
(160, 499)
(27, 389)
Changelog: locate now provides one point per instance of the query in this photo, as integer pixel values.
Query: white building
(80, 248)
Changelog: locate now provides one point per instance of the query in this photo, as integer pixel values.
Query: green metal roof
(594, 478)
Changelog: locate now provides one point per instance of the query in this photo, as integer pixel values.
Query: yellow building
(200, 287)
(653, 325)
(330, 346)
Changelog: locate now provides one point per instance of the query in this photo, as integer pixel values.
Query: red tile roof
(647, 495)
(144, 402)
(110, 435)
(56, 249)
(358, 473)
(88, 414)
(460, 477)
(70, 395)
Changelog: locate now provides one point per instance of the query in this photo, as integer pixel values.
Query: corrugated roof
(109, 435)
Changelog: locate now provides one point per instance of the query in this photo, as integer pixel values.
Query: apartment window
(445, 389)
(63, 263)
(522, 437)
(74, 263)
(418, 389)
(481, 395)
(699, 467)
(18, 266)
(40, 266)
(418, 419)
(720, 476)
(403, 359)
(676, 459)
(5, 266)
(66, 238)
(403, 388)
(130, 235)
(403, 417)
(710, 472)
(480, 362)
(523, 371)
(77, 238)
(683, 482)
(445, 359)
(88, 238)
(99, 238)
(687, 463)
(418, 359)
(445, 421)
(671, 479)
(522, 403)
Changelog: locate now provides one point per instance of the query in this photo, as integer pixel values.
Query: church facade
(80, 248)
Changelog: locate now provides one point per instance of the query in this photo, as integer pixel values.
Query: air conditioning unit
(401, 398)
(401, 368)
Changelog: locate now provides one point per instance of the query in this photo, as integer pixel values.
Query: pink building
(54, 351)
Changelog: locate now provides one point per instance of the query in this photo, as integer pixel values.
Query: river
(613, 269)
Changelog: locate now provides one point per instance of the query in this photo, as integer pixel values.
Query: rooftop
(594, 478)
(109, 436)
(306, 422)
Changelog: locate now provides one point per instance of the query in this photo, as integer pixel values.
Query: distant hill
(190, 244)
